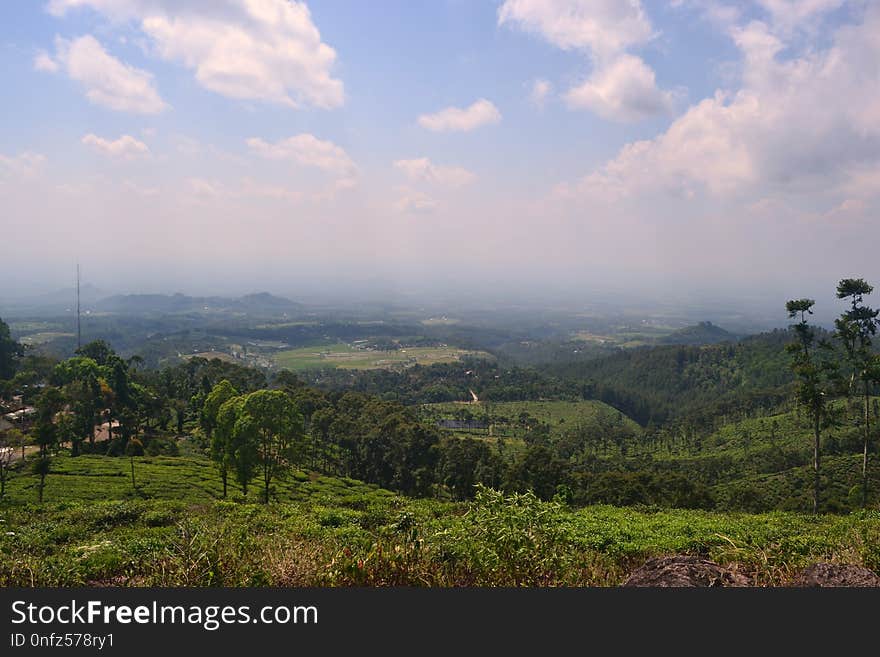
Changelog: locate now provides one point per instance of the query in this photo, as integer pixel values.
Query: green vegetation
(334, 534)
(191, 478)
(380, 469)
(557, 414)
(346, 356)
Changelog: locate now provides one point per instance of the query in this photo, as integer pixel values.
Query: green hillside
(698, 334)
(327, 531)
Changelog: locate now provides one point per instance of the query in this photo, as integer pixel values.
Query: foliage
(10, 351)
(352, 535)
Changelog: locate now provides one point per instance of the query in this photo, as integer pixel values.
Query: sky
(535, 147)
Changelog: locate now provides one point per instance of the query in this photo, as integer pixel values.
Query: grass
(328, 532)
(345, 356)
(193, 478)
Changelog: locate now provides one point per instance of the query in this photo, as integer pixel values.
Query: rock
(837, 574)
(684, 571)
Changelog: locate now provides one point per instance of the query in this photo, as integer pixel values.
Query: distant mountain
(260, 303)
(52, 303)
(702, 333)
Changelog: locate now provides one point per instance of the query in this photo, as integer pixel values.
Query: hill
(698, 334)
(261, 303)
(655, 384)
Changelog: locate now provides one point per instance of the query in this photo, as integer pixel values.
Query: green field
(508, 418)
(624, 337)
(173, 531)
(43, 337)
(194, 478)
(345, 356)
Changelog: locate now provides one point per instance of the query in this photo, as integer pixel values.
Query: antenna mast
(78, 327)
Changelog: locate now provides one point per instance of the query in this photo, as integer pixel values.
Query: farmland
(347, 356)
(191, 477)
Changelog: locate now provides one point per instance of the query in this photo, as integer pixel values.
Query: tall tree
(219, 395)
(278, 426)
(45, 432)
(234, 444)
(80, 378)
(221, 442)
(815, 379)
(45, 429)
(855, 328)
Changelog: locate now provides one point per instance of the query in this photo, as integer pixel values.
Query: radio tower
(78, 327)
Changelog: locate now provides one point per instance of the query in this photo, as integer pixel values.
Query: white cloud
(266, 50)
(125, 147)
(790, 14)
(702, 149)
(307, 150)
(622, 87)
(423, 170)
(849, 208)
(785, 16)
(807, 126)
(23, 165)
(541, 90)
(604, 27)
(454, 119)
(203, 190)
(411, 201)
(43, 62)
(187, 146)
(107, 81)
(624, 90)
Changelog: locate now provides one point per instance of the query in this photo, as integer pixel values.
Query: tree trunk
(131, 460)
(816, 464)
(266, 477)
(41, 487)
(223, 475)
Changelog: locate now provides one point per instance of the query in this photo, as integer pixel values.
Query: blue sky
(242, 143)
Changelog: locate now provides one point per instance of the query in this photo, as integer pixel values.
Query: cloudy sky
(525, 144)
